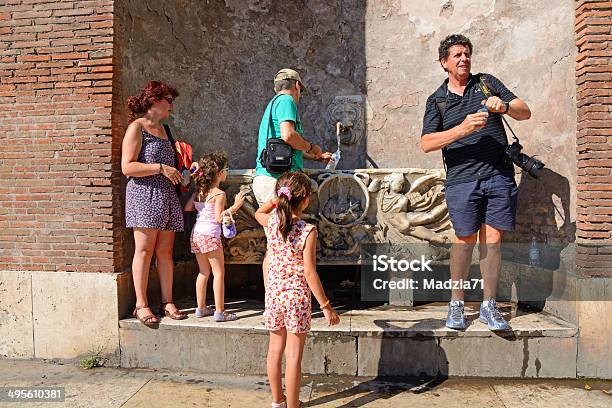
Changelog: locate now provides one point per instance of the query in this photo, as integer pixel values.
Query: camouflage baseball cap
(288, 73)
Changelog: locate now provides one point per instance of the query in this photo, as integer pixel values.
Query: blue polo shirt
(480, 154)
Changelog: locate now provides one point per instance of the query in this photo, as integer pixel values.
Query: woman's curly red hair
(154, 91)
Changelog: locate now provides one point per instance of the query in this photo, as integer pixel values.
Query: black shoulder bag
(276, 157)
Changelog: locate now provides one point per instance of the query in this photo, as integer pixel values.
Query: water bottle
(534, 253)
(333, 162)
(483, 108)
(186, 174)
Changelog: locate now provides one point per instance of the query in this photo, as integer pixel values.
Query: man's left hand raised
(495, 105)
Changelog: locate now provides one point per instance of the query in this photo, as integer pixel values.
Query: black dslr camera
(529, 164)
(513, 152)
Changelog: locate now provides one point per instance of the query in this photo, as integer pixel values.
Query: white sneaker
(279, 404)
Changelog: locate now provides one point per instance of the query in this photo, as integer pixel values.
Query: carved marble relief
(351, 208)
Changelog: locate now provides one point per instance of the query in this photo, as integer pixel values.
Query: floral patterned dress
(288, 298)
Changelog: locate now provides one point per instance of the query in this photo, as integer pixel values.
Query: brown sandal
(146, 320)
(178, 315)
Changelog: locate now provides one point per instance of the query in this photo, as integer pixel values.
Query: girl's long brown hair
(210, 166)
(152, 92)
(299, 185)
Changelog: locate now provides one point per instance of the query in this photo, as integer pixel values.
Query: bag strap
(441, 105)
(270, 124)
(173, 143)
(488, 90)
(229, 213)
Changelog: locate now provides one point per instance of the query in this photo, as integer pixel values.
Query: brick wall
(594, 136)
(56, 77)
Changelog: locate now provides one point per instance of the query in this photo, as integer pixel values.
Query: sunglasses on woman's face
(169, 99)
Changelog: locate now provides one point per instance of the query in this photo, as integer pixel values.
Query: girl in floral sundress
(291, 278)
(209, 201)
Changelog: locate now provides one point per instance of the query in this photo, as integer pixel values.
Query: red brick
(73, 12)
(101, 61)
(74, 55)
(58, 34)
(103, 24)
(70, 41)
(55, 6)
(31, 58)
(31, 14)
(19, 37)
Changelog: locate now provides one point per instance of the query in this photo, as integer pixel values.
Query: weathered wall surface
(223, 54)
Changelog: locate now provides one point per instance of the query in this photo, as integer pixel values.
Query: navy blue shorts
(490, 201)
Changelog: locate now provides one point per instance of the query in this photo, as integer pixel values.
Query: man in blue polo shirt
(480, 187)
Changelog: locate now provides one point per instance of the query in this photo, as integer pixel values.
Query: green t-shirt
(284, 109)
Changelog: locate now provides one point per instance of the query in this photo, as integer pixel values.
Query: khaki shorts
(263, 188)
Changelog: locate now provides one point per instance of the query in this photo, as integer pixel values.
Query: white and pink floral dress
(288, 299)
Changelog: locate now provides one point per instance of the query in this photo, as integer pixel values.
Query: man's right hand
(473, 122)
(325, 157)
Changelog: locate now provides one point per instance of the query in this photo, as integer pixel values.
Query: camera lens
(530, 165)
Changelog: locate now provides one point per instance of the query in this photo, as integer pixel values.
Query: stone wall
(223, 54)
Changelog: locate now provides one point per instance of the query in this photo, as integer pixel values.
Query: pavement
(116, 387)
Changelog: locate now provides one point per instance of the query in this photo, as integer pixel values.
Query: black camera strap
(488, 91)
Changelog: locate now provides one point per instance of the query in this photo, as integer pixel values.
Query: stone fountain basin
(349, 209)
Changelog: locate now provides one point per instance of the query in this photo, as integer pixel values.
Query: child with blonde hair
(291, 278)
(209, 202)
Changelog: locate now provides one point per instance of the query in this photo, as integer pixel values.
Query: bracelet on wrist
(160, 168)
(309, 148)
(507, 108)
(324, 305)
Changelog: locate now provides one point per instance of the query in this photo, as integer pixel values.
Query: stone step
(380, 341)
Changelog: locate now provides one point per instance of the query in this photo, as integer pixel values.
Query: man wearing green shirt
(286, 124)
